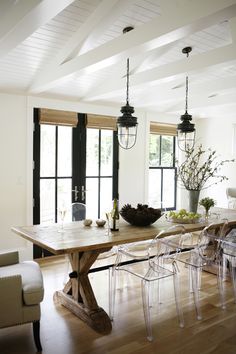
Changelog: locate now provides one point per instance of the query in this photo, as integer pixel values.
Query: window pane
(64, 151)
(64, 187)
(92, 198)
(154, 198)
(167, 151)
(92, 152)
(47, 150)
(47, 201)
(154, 150)
(106, 197)
(106, 152)
(168, 188)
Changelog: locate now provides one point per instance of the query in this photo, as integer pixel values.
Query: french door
(72, 165)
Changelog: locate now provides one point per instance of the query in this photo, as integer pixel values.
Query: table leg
(78, 295)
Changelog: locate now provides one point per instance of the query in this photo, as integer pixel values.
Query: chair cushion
(8, 258)
(32, 280)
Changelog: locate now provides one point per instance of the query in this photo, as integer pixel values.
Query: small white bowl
(100, 222)
(87, 222)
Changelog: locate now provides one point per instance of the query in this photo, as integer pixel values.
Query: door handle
(83, 191)
(76, 193)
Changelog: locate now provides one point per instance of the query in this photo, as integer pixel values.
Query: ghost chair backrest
(78, 211)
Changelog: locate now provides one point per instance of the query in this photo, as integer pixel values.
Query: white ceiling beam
(198, 102)
(100, 14)
(192, 17)
(164, 94)
(20, 26)
(106, 13)
(114, 13)
(12, 13)
(232, 24)
(170, 71)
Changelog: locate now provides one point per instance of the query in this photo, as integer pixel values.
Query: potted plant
(200, 170)
(207, 204)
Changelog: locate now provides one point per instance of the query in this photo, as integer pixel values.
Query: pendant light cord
(186, 102)
(127, 83)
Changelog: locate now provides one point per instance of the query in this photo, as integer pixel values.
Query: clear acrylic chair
(228, 263)
(152, 265)
(206, 252)
(78, 211)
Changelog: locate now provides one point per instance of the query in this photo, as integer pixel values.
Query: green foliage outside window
(165, 143)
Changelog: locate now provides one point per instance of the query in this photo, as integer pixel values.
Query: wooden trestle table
(83, 245)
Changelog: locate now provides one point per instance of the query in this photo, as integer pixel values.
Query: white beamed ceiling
(76, 50)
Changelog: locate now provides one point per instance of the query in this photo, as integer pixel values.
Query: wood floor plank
(64, 333)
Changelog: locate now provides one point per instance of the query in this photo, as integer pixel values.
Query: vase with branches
(200, 170)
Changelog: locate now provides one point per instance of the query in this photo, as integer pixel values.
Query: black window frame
(162, 168)
(79, 168)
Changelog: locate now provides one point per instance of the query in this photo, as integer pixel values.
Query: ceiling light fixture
(186, 130)
(127, 124)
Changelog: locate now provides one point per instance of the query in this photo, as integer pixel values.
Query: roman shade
(57, 117)
(101, 122)
(163, 129)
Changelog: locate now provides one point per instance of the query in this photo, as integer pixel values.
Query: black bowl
(140, 216)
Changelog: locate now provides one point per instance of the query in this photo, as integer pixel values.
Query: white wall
(13, 187)
(133, 165)
(217, 134)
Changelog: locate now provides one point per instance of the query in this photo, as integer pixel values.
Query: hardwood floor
(63, 333)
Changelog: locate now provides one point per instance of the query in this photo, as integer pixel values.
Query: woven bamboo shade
(101, 122)
(163, 129)
(56, 117)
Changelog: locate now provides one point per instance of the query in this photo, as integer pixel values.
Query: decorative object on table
(207, 204)
(62, 210)
(115, 216)
(186, 130)
(183, 217)
(140, 216)
(200, 170)
(100, 222)
(88, 222)
(127, 124)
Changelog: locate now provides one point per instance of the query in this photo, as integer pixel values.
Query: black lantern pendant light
(127, 124)
(186, 130)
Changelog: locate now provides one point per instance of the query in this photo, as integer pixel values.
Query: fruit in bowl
(183, 216)
(140, 216)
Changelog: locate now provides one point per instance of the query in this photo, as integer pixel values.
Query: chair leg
(36, 331)
(146, 308)
(233, 275)
(177, 300)
(195, 291)
(221, 279)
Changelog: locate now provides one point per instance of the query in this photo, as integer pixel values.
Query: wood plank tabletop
(78, 238)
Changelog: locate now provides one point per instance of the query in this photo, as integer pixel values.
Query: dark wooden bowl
(140, 216)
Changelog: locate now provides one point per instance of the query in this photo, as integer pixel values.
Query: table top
(79, 238)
